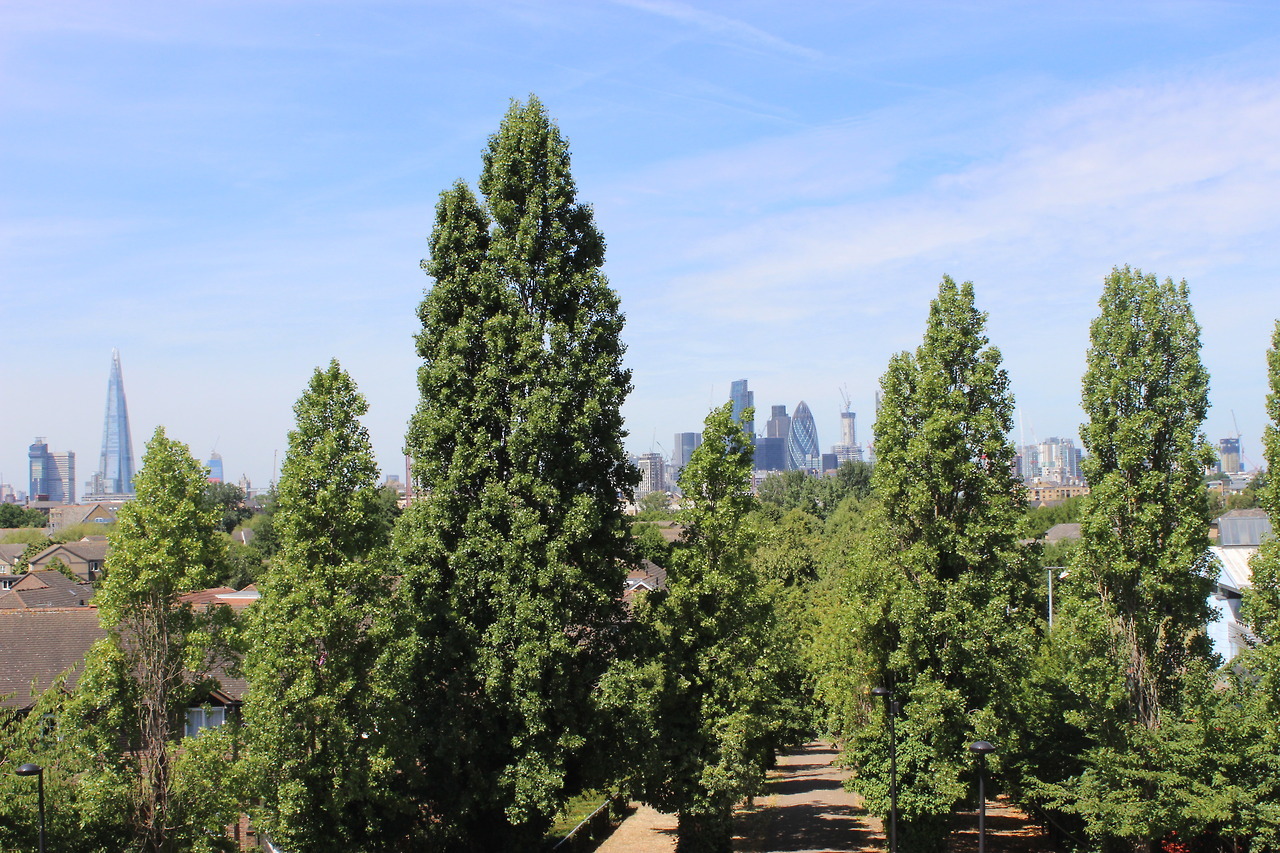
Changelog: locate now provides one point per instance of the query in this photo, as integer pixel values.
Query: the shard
(115, 467)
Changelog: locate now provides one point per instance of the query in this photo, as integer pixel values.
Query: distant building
(115, 465)
(771, 454)
(848, 450)
(802, 445)
(215, 467)
(743, 399)
(771, 450)
(1240, 532)
(686, 443)
(1052, 461)
(1229, 455)
(653, 475)
(52, 475)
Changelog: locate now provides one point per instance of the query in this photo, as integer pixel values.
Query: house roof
(89, 549)
(39, 646)
(223, 595)
(1233, 561)
(43, 642)
(1059, 532)
(10, 553)
(646, 577)
(46, 589)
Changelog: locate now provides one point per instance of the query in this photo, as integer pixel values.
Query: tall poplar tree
(1262, 600)
(1145, 528)
(1132, 657)
(311, 706)
(937, 610)
(1252, 706)
(716, 709)
(513, 557)
(159, 650)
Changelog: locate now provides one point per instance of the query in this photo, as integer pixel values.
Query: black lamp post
(981, 747)
(891, 708)
(36, 770)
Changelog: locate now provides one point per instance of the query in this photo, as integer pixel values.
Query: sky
(234, 193)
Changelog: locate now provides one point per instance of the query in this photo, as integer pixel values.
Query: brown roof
(9, 553)
(1059, 532)
(39, 645)
(46, 589)
(89, 550)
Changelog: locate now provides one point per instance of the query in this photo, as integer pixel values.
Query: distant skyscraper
(847, 450)
(215, 467)
(686, 443)
(115, 466)
(1229, 455)
(771, 454)
(779, 423)
(64, 465)
(52, 475)
(771, 448)
(743, 400)
(848, 430)
(802, 446)
(652, 474)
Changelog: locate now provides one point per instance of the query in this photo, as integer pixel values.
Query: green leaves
(312, 711)
(718, 708)
(513, 562)
(934, 603)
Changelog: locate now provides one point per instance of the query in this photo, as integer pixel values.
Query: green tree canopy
(311, 710)
(1122, 693)
(935, 607)
(160, 652)
(514, 559)
(716, 708)
(12, 515)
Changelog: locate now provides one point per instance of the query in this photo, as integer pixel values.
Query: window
(204, 718)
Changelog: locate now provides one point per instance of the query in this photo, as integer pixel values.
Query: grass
(575, 812)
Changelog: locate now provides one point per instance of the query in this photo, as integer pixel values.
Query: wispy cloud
(725, 28)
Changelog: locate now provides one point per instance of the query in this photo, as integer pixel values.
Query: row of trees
(1116, 727)
(448, 679)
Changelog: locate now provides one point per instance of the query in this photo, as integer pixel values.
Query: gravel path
(644, 831)
(806, 808)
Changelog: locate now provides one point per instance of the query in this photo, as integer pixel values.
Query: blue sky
(232, 193)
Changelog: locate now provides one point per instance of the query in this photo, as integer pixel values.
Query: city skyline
(234, 194)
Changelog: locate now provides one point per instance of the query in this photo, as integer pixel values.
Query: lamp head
(981, 747)
(29, 770)
(881, 691)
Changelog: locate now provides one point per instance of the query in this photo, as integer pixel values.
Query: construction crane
(1239, 444)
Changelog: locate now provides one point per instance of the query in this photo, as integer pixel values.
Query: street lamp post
(38, 771)
(1051, 570)
(891, 708)
(982, 748)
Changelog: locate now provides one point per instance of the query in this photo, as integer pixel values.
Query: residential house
(103, 512)
(46, 589)
(85, 557)
(1240, 532)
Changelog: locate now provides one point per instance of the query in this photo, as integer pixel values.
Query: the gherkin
(803, 452)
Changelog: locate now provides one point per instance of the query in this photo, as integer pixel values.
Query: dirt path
(806, 808)
(644, 831)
